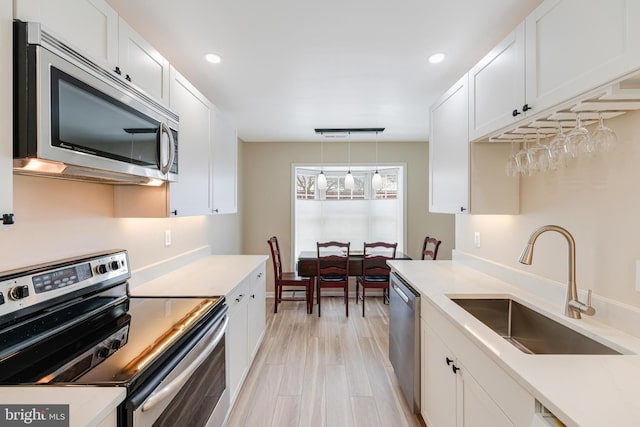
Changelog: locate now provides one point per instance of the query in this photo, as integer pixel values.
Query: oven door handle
(179, 381)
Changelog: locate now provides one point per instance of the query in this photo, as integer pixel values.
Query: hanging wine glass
(557, 154)
(578, 141)
(511, 167)
(539, 155)
(604, 139)
(524, 160)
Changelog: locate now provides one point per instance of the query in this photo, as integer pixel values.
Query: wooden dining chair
(430, 248)
(333, 269)
(375, 271)
(289, 280)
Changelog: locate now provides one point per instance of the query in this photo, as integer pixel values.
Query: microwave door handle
(165, 167)
(165, 391)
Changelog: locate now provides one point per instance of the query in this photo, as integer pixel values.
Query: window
(358, 215)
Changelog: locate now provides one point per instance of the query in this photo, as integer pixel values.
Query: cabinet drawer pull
(239, 297)
(515, 113)
(526, 108)
(455, 369)
(449, 361)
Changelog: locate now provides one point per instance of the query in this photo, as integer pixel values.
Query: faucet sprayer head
(526, 257)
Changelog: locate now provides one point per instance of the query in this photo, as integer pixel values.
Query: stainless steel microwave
(76, 120)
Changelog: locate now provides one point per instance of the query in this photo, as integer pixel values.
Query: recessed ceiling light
(436, 58)
(213, 58)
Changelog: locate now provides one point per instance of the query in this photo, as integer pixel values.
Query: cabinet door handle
(128, 78)
(239, 297)
(515, 113)
(253, 296)
(455, 369)
(117, 71)
(462, 209)
(526, 108)
(449, 361)
(175, 212)
(215, 210)
(259, 275)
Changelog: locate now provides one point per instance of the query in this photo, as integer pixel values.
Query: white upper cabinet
(224, 165)
(574, 46)
(449, 151)
(466, 177)
(497, 86)
(96, 30)
(190, 195)
(92, 27)
(141, 64)
(562, 50)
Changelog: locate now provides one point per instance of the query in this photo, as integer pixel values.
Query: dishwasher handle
(400, 293)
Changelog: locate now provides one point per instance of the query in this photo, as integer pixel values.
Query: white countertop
(581, 390)
(88, 406)
(213, 275)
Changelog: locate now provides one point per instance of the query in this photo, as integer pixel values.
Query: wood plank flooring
(330, 371)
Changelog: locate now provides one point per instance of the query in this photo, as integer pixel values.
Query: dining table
(308, 262)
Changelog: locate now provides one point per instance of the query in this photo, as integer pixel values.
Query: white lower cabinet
(246, 326)
(453, 398)
(461, 386)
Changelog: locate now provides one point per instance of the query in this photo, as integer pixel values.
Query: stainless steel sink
(528, 330)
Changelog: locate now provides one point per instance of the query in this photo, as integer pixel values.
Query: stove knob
(115, 344)
(103, 352)
(101, 268)
(19, 292)
(115, 265)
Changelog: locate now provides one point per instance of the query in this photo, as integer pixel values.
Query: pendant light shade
(376, 181)
(348, 181)
(322, 181)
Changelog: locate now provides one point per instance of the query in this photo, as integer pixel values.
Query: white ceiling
(289, 66)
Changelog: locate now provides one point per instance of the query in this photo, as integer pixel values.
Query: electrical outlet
(167, 238)
(476, 239)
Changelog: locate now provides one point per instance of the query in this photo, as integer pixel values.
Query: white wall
(267, 192)
(597, 199)
(57, 219)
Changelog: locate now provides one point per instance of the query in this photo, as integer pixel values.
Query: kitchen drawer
(238, 296)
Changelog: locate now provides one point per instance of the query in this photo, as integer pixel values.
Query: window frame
(401, 193)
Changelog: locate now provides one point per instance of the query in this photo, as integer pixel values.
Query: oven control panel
(20, 289)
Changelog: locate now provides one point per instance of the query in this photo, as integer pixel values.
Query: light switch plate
(167, 238)
(476, 239)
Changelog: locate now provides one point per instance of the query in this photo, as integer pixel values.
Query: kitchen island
(580, 390)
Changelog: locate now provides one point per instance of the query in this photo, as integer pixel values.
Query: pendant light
(348, 179)
(376, 181)
(322, 179)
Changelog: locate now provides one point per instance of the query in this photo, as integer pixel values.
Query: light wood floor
(330, 371)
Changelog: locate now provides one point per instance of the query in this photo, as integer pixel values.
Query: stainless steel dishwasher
(404, 338)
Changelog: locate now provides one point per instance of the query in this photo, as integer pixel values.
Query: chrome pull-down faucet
(573, 307)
